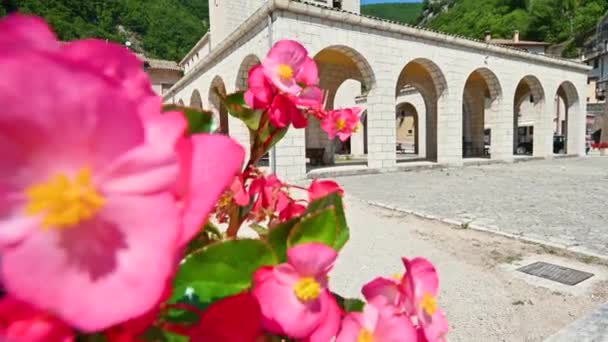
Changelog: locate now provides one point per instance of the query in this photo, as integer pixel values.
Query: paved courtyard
(561, 201)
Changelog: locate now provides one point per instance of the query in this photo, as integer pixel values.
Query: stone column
(381, 125)
(502, 130)
(449, 127)
(291, 155)
(577, 128)
(357, 143)
(544, 127)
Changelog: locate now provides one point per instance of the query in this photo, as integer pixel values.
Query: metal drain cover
(560, 274)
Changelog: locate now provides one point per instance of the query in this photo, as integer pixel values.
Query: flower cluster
(286, 85)
(119, 219)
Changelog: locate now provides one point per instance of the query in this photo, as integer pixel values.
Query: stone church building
(426, 95)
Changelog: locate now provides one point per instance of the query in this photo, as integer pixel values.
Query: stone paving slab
(592, 328)
(561, 202)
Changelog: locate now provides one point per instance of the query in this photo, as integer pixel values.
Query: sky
(365, 2)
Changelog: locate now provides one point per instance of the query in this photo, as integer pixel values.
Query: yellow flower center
(285, 71)
(340, 124)
(397, 277)
(365, 336)
(62, 201)
(307, 289)
(429, 304)
(357, 128)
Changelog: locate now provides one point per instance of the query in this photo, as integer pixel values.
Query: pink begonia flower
(87, 178)
(283, 112)
(376, 324)
(204, 176)
(285, 64)
(239, 195)
(294, 297)
(420, 284)
(341, 123)
(319, 189)
(412, 294)
(260, 92)
(20, 321)
(291, 210)
(310, 97)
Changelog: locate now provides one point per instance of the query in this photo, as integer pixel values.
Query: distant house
(163, 74)
(527, 45)
(596, 55)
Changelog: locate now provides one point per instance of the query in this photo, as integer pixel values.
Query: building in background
(163, 74)
(596, 56)
(527, 45)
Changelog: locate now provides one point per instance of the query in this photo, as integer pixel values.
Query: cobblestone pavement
(560, 201)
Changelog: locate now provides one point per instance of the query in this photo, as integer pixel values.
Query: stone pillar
(577, 128)
(357, 143)
(502, 130)
(291, 155)
(543, 129)
(381, 125)
(449, 127)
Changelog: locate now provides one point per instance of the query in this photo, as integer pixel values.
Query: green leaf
(155, 334)
(199, 121)
(277, 238)
(349, 304)
(334, 201)
(317, 227)
(221, 269)
(236, 106)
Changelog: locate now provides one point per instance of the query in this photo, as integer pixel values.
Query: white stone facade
(456, 78)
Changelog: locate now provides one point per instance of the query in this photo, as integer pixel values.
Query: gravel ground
(483, 301)
(562, 201)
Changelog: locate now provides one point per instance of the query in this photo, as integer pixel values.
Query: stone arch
(217, 89)
(195, 100)
(345, 75)
(241, 77)
(424, 77)
(480, 97)
(180, 102)
(528, 108)
(566, 109)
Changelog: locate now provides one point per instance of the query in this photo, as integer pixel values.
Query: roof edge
(315, 10)
(196, 47)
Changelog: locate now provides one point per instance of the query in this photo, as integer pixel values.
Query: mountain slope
(567, 22)
(162, 28)
(402, 12)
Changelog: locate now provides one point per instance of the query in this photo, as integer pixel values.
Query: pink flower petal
(436, 327)
(282, 312)
(260, 93)
(351, 327)
(144, 170)
(114, 61)
(26, 32)
(215, 161)
(309, 74)
(393, 327)
(282, 111)
(102, 272)
(382, 292)
(92, 131)
(311, 259)
(423, 276)
(319, 189)
(285, 53)
(310, 97)
(329, 324)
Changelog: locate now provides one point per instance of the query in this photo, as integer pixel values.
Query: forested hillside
(163, 28)
(405, 12)
(567, 22)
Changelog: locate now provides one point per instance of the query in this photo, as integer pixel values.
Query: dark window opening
(337, 4)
